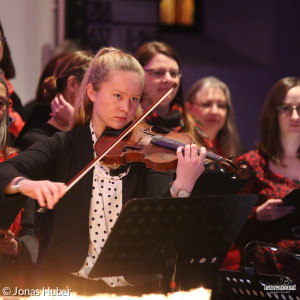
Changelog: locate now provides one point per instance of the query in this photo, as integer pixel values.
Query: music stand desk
(194, 232)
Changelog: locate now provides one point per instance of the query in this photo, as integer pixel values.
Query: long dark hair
(270, 143)
(6, 64)
(4, 124)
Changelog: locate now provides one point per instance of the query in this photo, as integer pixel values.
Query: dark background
(247, 44)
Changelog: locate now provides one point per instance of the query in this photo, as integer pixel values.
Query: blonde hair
(228, 137)
(106, 61)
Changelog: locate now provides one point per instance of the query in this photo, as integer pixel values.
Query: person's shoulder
(34, 135)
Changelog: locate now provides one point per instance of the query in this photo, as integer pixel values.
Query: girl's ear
(90, 92)
(72, 84)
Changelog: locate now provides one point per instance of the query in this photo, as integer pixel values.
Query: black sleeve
(17, 105)
(36, 163)
(31, 137)
(146, 183)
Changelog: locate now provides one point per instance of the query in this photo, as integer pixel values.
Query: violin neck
(173, 145)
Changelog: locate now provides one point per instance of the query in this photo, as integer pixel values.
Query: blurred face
(116, 101)
(161, 72)
(289, 113)
(210, 108)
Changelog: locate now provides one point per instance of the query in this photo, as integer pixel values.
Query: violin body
(137, 147)
(157, 151)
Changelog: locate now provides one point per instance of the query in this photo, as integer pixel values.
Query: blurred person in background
(7, 70)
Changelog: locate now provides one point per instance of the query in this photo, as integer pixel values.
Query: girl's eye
(134, 99)
(118, 96)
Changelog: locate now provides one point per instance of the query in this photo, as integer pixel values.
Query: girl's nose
(125, 105)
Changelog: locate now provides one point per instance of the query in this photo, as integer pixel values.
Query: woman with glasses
(7, 70)
(6, 151)
(210, 121)
(162, 69)
(276, 163)
(18, 242)
(210, 117)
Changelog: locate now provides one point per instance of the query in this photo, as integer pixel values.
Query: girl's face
(116, 101)
(161, 73)
(289, 113)
(210, 108)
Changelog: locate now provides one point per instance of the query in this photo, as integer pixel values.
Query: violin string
(172, 144)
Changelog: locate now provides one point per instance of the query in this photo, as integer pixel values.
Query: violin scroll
(240, 170)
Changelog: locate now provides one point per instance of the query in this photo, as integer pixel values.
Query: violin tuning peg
(233, 177)
(222, 170)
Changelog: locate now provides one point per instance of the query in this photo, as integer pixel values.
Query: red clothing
(11, 154)
(173, 122)
(268, 185)
(15, 227)
(18, 123)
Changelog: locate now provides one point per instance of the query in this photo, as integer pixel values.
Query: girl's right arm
(46, 192)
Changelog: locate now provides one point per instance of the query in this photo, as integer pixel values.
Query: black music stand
(215, 182)
(244, 285)
(194, 233)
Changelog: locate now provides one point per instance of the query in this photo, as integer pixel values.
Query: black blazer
(60, 158)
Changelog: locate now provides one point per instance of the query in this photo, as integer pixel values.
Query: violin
(157, 151)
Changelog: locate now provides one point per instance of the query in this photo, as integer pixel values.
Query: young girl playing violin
(109, 97)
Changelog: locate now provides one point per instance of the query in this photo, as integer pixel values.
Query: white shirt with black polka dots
(106, 205)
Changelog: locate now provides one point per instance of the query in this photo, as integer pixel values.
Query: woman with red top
(276, 163)
(162, 69)
(18, 243)
(210, 117)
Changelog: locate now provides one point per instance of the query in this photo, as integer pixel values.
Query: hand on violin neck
(190, 166)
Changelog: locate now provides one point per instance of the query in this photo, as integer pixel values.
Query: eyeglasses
(2, 40)
(208, 105)
(159, 73)
(288, 109)
(4, 104)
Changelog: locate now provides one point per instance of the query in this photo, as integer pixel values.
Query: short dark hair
(148, 50)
